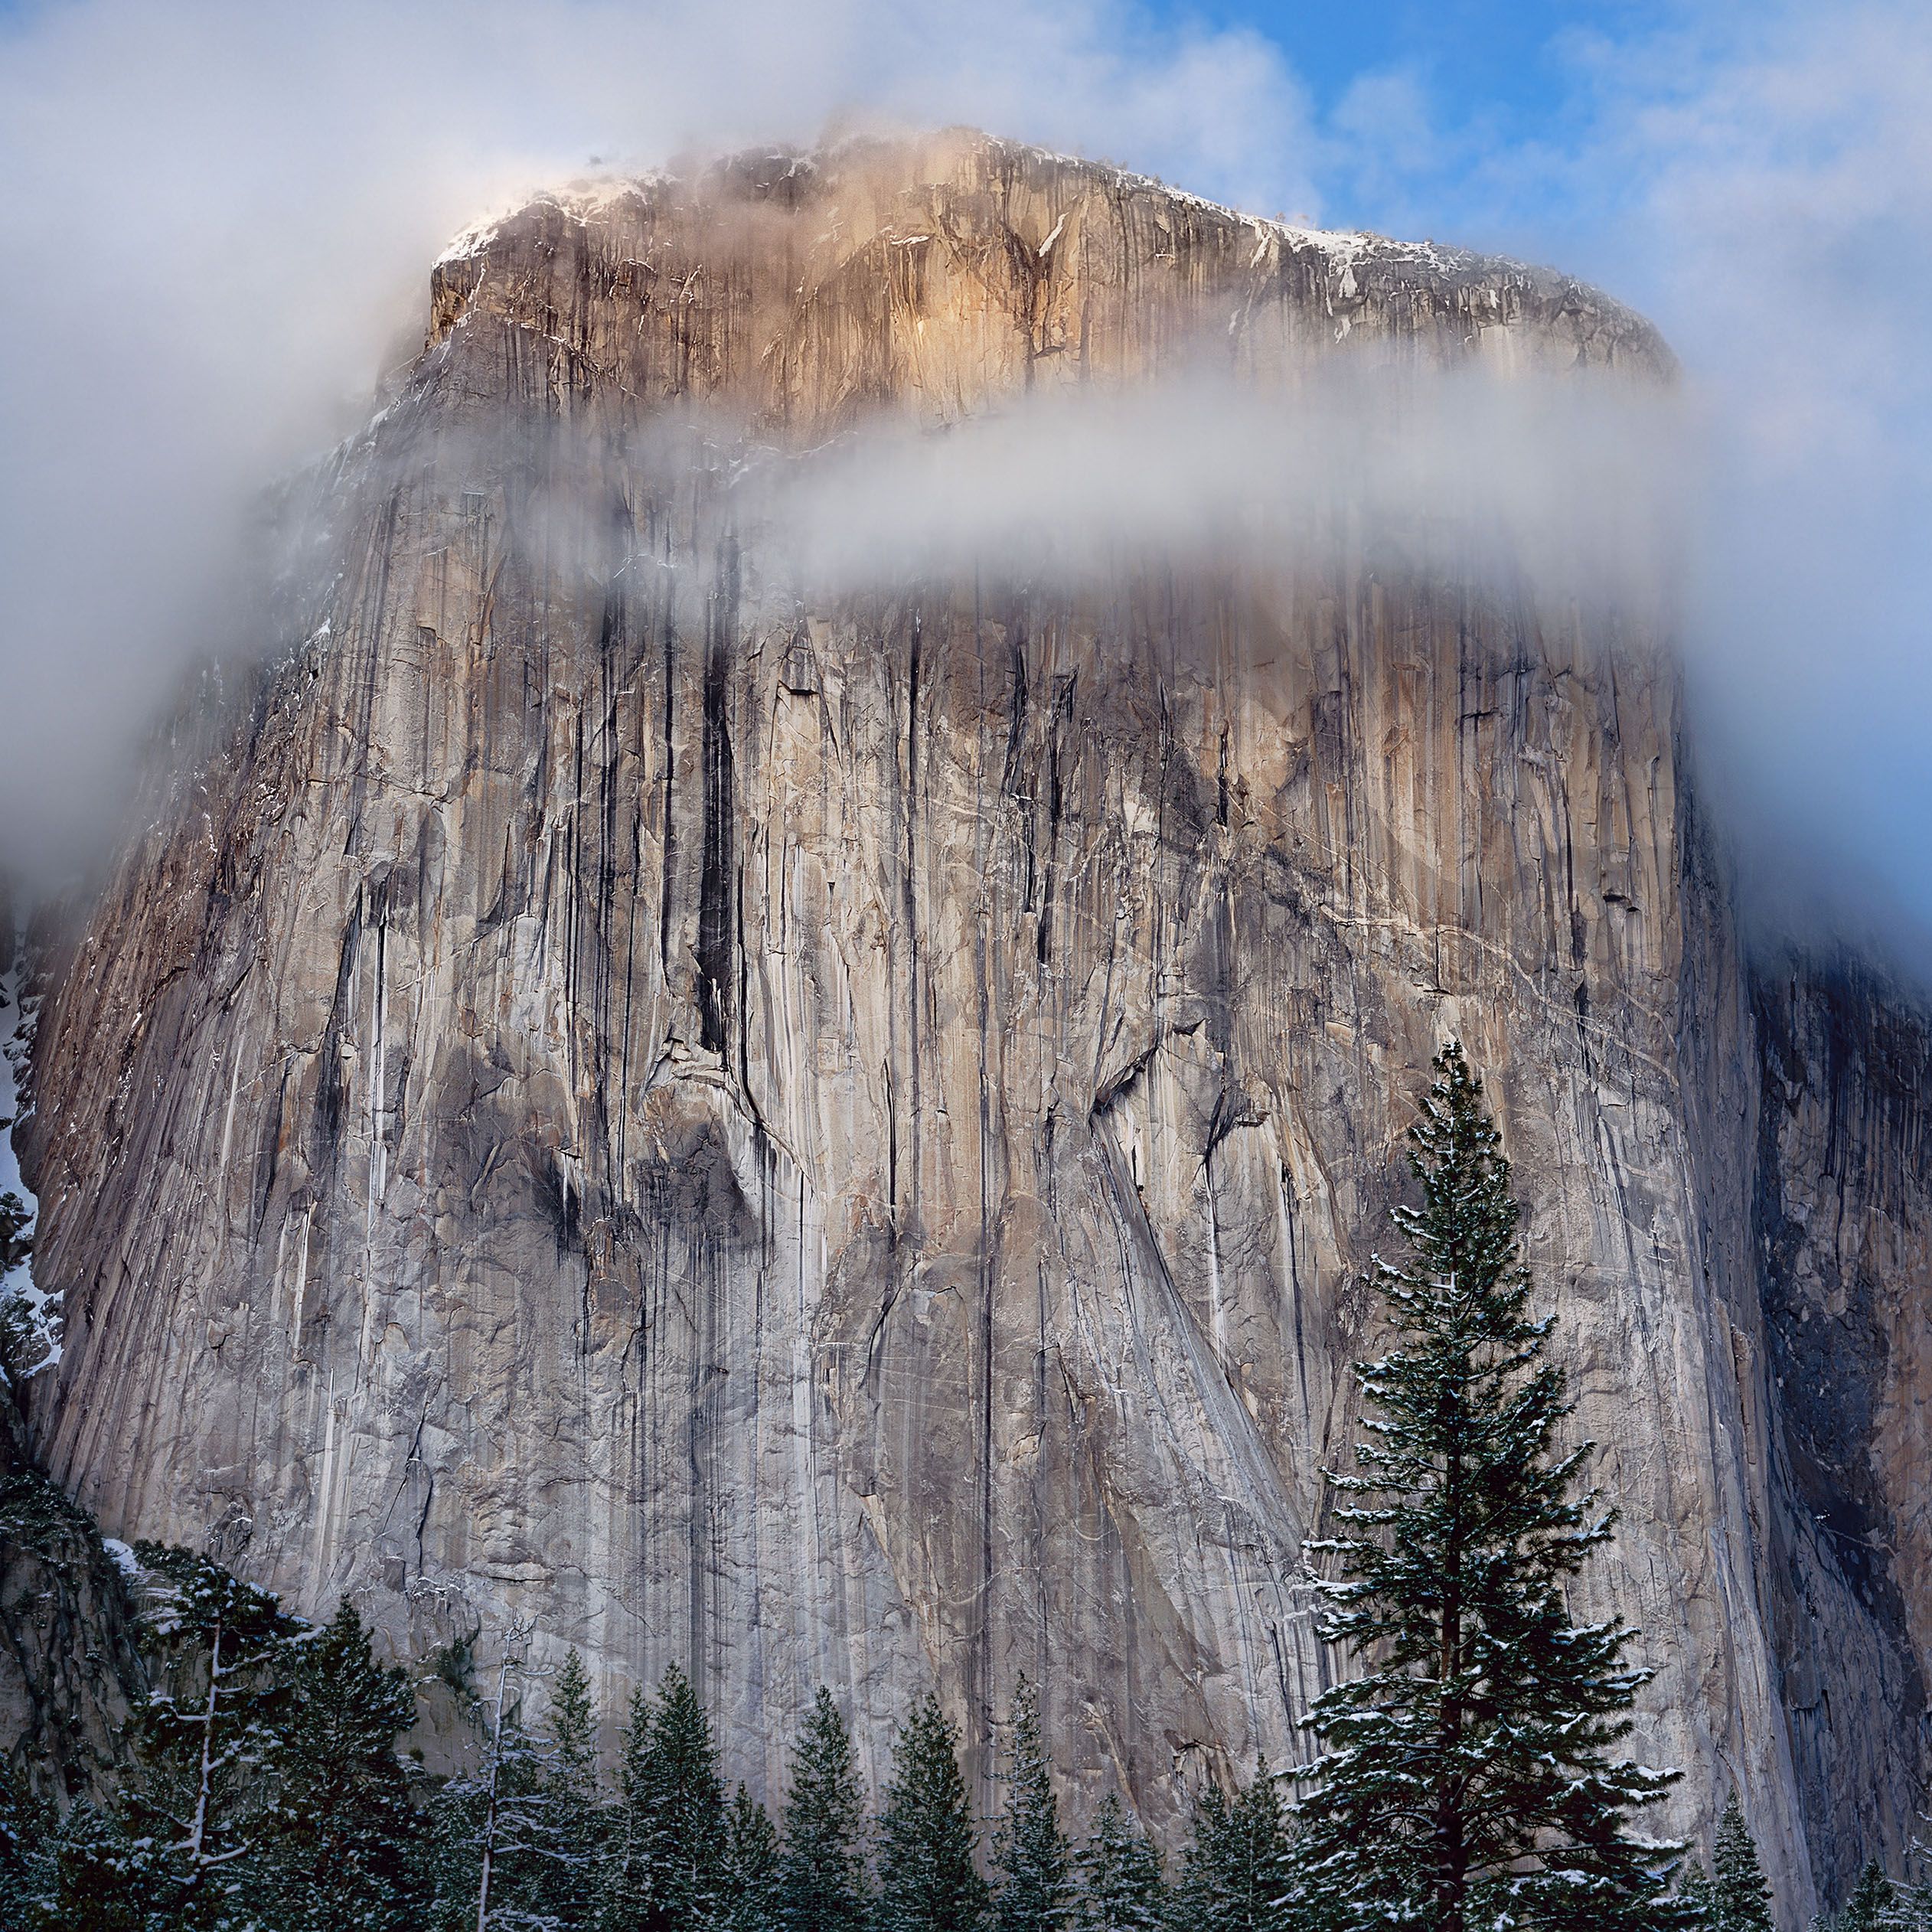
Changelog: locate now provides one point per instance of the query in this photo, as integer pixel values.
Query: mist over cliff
(273, 180)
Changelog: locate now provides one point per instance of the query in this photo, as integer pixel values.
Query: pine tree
(494, 1850)
(688, 1810)
(667, 1854)
(1032, 1863)
(927, 1880)
(27, 1831)
(1237, 1875)
(627, 1869)
(1121, 1889)
(1873, 1906)
(216, 1649)
(99, 1879)
(1739, 1899)
(1696, 1898)
(575, 1824)
(339, 1844)
(1466, 1776)
(821, 1883)
(751, 1871)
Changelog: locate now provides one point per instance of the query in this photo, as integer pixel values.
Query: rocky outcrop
(833, 1138)
(70, 1671)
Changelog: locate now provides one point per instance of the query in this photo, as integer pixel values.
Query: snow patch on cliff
(29, 1316)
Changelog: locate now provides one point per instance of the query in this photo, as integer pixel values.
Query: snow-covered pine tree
(822, 1885)
(1874, 1905)
(927, 1880)
(1032, 1863)
(1237, 1875)
(1695, 1897)
(751, 1874)
(494, 1839)
(98, 1879)
(1121, 1888)
(682, 1797)
(519, 1823)
(339, 1842)
(576, 1829)
(27, 1830)
(1467, 1778)
(626, 1891)
(215, 1648)
(1739, 1899)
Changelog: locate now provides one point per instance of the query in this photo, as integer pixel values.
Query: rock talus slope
(834, 1137)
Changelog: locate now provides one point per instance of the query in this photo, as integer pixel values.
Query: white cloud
(1784, 202)
(218, 215)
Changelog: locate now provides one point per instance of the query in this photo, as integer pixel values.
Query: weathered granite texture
(835, 1139)
(69, 1669)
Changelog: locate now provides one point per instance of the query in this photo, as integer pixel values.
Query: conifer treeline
(269, 1796)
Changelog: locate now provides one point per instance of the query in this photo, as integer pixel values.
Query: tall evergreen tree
(1738, 1899)
(339, 1842)
(1121, 1888)
(821, 1881)
(667, 1858)
(751, 1873)
(576, 1825)
(687, 1810)
(1874, 1905)
(626, 1890)
(494, 1839)
(216, 1649)
(1032, 1863)
(1237, 1875)
(927, 1880)
(1467, 1777)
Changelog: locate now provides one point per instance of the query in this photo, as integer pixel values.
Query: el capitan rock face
(834, 1138)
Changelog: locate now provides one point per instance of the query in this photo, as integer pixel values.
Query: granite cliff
(833, 1138)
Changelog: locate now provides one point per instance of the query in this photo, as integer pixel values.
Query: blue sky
(1507, 59)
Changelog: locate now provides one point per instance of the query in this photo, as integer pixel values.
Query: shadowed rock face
(833, 1138)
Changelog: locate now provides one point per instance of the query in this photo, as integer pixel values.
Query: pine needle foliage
(680, 1795)
(27, 1827)
(1466, 1779)
(1875, 1904)
(99, 1879)
(821, 1879)
(1695, 1899)
(750, 1876)
(1032, 1863)
(1121, 1886)
(927, 1882)
(339, 1851)
(627, 1879)
(578, 1822)
(1237, 1874)
(1738, 1900)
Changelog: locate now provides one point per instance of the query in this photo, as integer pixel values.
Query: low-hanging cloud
(1757, 177)
(219, 217)
(1562, 485)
